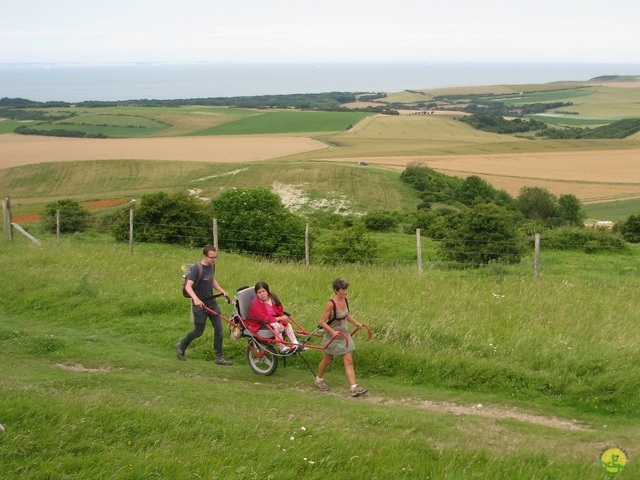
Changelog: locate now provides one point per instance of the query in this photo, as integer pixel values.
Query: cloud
(294, 30)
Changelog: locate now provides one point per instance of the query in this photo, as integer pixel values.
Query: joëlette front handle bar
(229, 301)
(339, 334)
(366, 327)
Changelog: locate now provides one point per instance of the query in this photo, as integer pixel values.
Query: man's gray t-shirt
(203, 288)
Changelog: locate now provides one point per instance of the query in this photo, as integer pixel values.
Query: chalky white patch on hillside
(195, 192)
(225, 174)
(295, 199)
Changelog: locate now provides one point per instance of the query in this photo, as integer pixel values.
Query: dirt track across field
(595, 176)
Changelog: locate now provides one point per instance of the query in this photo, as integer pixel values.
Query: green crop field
(571, 120)
(8, 126)
(288, 121)
(547, 97)
(615, 211)
(138, 122)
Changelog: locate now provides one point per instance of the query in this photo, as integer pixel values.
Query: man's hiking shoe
(322, 385)
(357, 390)
(223, 361)
(179, 352)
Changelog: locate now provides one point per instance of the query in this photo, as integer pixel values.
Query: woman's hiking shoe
(179, 352)
(223, 361)
(322, 385)
(357, 390)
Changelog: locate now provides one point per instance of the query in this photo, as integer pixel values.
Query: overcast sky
(89, 31)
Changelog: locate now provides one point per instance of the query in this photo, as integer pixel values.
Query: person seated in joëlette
(266, 307)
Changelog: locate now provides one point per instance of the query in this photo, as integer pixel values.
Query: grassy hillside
(611, 99)
(415, 136)
(482, 373)
(361, 189)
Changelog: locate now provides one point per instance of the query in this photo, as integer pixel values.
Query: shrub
(256, 221)
(571, 211)
(588, 239)
(73, 218)
(537, 203)
(162, 218)
(483, 234)
(630, 229)
(351, 245)
(381, 221)
(435, 224)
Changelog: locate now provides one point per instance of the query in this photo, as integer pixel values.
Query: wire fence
(394, 250)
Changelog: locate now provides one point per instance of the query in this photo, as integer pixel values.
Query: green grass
(8, 126)
(613, 211)
(361, 189)
(571, 120)
(288, 121)
(548, 97)
(91, 388)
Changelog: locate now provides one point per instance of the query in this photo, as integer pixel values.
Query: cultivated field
(593, 176)
(594, 170)
(17, 150)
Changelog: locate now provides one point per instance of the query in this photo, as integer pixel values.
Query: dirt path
(500, 412)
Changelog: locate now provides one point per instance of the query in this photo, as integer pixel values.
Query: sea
(133, 81)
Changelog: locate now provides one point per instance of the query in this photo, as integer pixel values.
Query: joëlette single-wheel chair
(263, 354)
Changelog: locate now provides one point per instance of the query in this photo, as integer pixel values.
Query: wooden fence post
(215, 233)
(419, 250)
(6, 212)
(131, 231)
(4, 215)
(306, 244)
(536, 261)
(25, 233)
(58, 226)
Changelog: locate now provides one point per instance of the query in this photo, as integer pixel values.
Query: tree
(256, 221)
(474, 190)
(482, 234)
(73, 217)
(630, 229)
(537, 203)
(436, 223)
(351, 245)
(571, 211)
(162, 218)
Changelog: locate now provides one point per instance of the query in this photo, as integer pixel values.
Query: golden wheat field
(16, 150)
